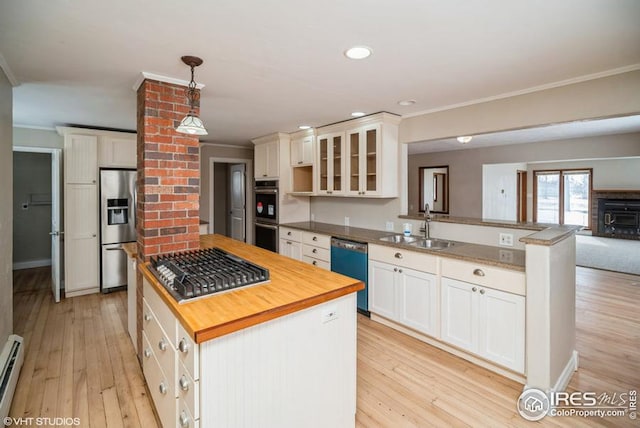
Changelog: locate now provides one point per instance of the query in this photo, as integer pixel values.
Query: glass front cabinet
(331, 160)
(363, 146)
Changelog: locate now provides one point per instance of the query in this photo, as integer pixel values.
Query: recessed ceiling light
(358, 52)
(464, 139)
(406, 102)
(357, 114)
(304, 127)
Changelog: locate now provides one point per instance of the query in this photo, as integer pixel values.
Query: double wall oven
(266, 215)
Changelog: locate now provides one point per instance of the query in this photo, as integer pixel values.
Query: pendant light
(191, 124)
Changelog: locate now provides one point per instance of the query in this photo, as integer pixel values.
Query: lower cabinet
(487, 322)
(309, 247)
(404, 295)
(290, 248)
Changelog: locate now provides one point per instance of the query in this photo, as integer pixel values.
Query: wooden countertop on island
(293, 286)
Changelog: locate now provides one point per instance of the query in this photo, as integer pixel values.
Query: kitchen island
(282, 353)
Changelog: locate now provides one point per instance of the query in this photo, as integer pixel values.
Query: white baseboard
(31, 264)
(567, 372)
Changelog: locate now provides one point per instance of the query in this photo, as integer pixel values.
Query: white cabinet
(302, 152)
(331, 163)
(81, 159)
(290, 248)
(484, 321)
(316, 249)
(131, 301)
(362, 165)
(267, 160)
(117, 152)
(382, 289)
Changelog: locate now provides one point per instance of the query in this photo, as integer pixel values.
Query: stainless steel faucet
(427, 220)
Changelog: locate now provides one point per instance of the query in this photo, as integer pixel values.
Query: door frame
(248, 165)
(56, 191)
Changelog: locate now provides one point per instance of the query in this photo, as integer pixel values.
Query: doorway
(37, 216)
(230, 197)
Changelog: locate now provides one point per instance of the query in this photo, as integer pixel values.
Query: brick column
(168, 185)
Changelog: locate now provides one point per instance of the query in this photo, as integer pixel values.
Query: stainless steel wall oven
(266, 214)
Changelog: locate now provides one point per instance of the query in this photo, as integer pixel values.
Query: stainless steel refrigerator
(118, 224)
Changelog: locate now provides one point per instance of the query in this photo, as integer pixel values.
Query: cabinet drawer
(188, 391)
(404, 258)
(320, 263)
(316, 252)
(188, 353)
(317, 240)
(161, 311)
(290, 234)
(166, 402)
(489, 276)
(158, 340)
(185, 418)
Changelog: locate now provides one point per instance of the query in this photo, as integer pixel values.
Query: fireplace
(616, 214)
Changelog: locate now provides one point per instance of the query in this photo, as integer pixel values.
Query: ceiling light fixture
(358, 52)
(406, 102)
(464, 139)
(303, 127)
(191, 124)
(358, 114)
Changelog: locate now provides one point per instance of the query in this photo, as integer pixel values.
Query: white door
(237, 201)
(459, 314)
(56, 158)
(418, 300)
(382, 290)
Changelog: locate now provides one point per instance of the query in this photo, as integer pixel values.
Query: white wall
(499, 190)
(6, 212)
(27, 137)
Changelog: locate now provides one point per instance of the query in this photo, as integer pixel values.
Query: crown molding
(4, 65)
(36, 127)
(230, 146)
(144, 75)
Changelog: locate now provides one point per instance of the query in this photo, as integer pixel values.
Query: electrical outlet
(506, 256)
(346, 221)
(389, 226)
(506, 239)
(329, 314)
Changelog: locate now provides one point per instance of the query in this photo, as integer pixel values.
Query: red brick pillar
(168, 206)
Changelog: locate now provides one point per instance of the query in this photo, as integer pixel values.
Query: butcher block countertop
(293, 286)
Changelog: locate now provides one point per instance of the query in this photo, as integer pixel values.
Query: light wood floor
(80, 363)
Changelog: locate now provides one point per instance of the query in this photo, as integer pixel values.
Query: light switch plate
(389, 226)
(346, 221)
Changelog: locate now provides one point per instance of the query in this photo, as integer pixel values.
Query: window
(562, 197)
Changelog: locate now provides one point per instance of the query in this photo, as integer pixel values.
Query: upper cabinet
(267, 159)
(359, 157)
(302, 150)
(81, 159)
(117, 151)
(303, 156)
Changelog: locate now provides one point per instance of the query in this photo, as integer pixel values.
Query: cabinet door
(382, 289)
(117, 152)
(353, 162)
(291, 249)
(501, 328)
(302, 151)
(459, 314)
(418, 300)
(370, 160)
(273, 159)
(81, 247)
(330, 158)
(81, 159)
(260, 159)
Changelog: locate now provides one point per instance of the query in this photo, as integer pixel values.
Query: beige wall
(27, 137)
(609, 96)
(6, 212)
(465, 166)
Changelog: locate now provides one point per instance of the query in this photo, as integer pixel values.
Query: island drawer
(161, 311)
(291, 234)
(493, 277)
(316, 252)
(161, 346)
(188, 391)
(320, 263)
(188, 352)
(316, 239)
(405, 258)
(162, 391)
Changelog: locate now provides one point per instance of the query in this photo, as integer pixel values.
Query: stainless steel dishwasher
(351, 258)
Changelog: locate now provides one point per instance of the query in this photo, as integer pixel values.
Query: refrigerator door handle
(114, 249)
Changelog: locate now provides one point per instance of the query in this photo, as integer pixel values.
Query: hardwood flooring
(80, 363)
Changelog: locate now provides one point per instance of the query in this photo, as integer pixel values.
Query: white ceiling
(273, 65)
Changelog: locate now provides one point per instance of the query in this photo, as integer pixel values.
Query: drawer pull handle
(162, 388)
(147, 353)
(478, 272)
(314, 251)
(184, 420)
(395, 269)
(315, 263)
(184, 383)
(398, 255)
(289, 242)
(315, 238)
(183, 346)
(481, 291)
(399, 270)
(289, 233)
(474, 289)
(147, 317)
(162, 345)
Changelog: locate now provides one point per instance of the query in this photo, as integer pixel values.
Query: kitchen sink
(399, 239)
(434, 244)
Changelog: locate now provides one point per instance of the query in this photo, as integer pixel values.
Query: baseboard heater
(11, 361)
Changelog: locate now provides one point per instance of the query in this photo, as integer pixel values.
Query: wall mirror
(434, 188)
